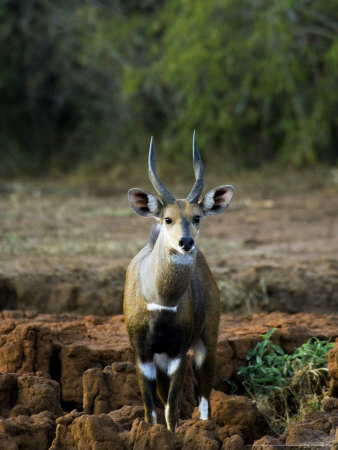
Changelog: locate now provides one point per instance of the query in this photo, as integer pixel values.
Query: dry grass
(303, 395)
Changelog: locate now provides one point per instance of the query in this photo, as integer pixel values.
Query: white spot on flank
(148, 370)
(157, 307)
(200, 352)
(203, 408)
(154, 416)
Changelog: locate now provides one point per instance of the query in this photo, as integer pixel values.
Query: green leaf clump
(286, 387)
(270, 368)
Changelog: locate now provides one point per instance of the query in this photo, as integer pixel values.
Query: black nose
(186, 243)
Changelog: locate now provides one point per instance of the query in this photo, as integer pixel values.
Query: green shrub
(286, 387)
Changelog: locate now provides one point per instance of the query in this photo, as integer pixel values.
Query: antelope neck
(167, 274)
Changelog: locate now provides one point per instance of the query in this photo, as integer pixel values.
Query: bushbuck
(171, 300)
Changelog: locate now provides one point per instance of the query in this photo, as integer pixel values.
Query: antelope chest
(164, 335)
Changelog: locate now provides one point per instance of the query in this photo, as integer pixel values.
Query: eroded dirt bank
(52, 364)
(68, 251)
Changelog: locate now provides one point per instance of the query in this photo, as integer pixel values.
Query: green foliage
(91, 80)
(286, 387)
(250, 76)
(270, 368)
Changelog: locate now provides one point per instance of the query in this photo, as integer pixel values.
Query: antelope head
(180, 218)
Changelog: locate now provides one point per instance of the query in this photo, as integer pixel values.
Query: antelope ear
(143, 203)
(217, 200)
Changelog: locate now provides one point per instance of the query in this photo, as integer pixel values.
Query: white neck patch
(184, 259)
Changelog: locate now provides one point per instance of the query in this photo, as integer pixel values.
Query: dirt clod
(236, 415)
(29, 433)
(157, 437)
(234, 442)
(83, 431)
(269, 443)
(199, 435)
(332, 364)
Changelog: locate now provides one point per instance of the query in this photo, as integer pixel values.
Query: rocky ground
(69, 382)
(67, 375)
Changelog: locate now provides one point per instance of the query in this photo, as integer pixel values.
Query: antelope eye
(197, 219)
(168, 220)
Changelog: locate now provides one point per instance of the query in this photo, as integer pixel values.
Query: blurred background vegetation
(87, 82)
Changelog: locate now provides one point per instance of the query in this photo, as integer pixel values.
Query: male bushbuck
(171, 300)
